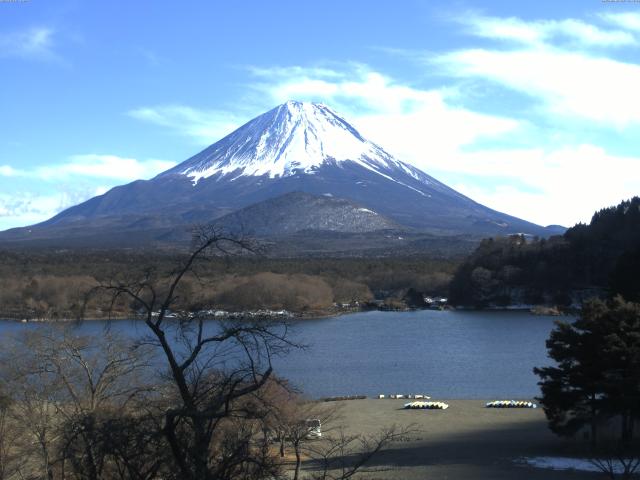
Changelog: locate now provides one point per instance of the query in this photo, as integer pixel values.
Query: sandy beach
(466, 441)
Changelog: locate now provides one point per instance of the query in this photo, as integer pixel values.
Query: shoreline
(536, 310)
(399, 401)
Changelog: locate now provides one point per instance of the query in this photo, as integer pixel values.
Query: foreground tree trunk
(207, 396)
(298, 464)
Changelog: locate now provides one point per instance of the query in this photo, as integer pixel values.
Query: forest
(598, 259)
(52, 284)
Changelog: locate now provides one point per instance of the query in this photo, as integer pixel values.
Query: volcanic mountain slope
(298, 212)
(296, 147)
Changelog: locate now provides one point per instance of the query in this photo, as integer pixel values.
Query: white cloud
(93, 166)
(76, 180)
(567, 79)
(592, 35)
(100, 190)
(8, 171)
(105, 166)
(561, 186)
(205, 126)
(35, 43)
(576, 32)
(371, 90)
(436, 131)
(30, 208)
(598, 89)
(297, 71)
(626, 20)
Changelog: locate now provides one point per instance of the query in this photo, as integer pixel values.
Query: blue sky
(530, 109)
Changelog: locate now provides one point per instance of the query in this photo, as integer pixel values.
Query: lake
(445, 354)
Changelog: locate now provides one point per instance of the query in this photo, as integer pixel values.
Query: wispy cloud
(33, 43)
(30, 208)
(151, 57)
(571, 181)
(567, 79)
(571, 31)
(597, 89)
(626, 20)
(26, 204)
(203, 126)
(9, 171)
(110, 167)
(74, 180)
(93, 166)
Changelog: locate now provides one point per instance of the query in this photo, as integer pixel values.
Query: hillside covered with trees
(601, 258)
(53, 284)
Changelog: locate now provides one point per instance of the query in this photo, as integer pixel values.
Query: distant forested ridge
(51, 284)
(601, 258)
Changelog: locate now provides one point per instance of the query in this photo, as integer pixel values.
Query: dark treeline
(601, 258)
(52, 284)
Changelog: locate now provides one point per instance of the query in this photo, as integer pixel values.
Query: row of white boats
(511, 404)
(427, 405)
(422, 402)
(395, 396)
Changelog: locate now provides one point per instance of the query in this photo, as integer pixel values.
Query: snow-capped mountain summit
(295, 137)
(295, 147)
(298, 138)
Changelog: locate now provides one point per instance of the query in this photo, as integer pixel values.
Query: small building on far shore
(435, 302)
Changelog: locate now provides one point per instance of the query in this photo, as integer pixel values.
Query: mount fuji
(342, 183)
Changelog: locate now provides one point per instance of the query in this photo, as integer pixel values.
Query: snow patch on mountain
(366, 210)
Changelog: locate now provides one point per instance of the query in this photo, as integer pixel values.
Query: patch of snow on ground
(567, 463)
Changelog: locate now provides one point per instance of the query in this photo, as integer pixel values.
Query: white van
(314, 428)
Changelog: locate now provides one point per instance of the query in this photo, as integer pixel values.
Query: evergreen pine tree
(597, 377)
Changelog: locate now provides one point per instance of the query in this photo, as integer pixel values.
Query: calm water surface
(445, 354)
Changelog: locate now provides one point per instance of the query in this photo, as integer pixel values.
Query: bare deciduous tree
(341, 455)
(213, 370)
(34, 395)
(9, 458)
(314, 432)
(58, 382)
(617, 461)
(297, 424)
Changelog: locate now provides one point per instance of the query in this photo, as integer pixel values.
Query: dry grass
(466, 441)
